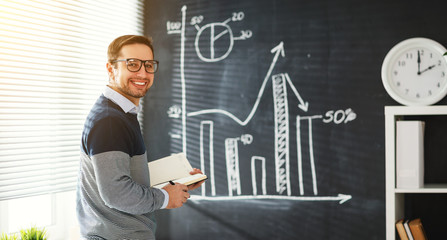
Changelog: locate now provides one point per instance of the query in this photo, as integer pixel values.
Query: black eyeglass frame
(143, 62)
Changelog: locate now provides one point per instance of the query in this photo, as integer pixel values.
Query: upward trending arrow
(278, 50)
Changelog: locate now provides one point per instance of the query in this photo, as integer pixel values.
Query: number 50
(339, 116)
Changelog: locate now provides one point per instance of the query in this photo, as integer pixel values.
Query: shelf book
(401, 230)
(407, 230)
(175, 168)
(409, 154)
(417, 229)
(410, 229)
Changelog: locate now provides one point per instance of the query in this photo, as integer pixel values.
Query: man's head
(116, 45)
(124, 54)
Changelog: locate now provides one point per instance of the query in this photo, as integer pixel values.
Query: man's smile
(139, 83)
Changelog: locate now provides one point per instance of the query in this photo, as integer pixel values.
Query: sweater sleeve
(114, 149)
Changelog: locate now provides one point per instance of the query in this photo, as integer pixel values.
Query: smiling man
(114, 197)
(132, 84)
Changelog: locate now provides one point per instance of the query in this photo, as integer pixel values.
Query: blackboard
(281, 104)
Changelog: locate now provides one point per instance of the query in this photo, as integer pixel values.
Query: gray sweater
(114, 200)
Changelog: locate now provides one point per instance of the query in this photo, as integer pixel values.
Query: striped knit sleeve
(114, 147)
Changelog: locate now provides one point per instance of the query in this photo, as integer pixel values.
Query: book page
(169, 168)
(186, 180)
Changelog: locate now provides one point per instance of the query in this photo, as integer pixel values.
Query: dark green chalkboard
(281, 103)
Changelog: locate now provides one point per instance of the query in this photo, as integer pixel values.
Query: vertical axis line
(182, 73)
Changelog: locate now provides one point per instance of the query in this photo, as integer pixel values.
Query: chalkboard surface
(281, 104)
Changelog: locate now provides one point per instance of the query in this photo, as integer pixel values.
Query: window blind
(52, 70)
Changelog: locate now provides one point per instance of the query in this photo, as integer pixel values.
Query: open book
(174, 168)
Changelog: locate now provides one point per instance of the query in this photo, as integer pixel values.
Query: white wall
(56, 212)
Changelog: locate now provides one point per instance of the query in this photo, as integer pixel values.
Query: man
(114, 200)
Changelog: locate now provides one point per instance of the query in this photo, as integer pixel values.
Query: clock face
(419, 73)
(414, 72)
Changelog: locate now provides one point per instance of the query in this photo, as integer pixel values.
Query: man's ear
(109, 67)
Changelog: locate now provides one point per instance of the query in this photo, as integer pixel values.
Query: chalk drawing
(211, 34)
(281, 117)
(232, 160)
(210, 142)
(260, 159)
(214, 32)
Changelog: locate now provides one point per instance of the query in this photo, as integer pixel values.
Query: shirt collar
(120, 100)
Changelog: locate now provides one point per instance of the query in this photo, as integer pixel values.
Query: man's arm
(119, 190)
(112, 144)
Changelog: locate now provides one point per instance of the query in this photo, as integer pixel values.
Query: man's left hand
(198, 184)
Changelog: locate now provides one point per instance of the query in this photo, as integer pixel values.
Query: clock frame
(414, 72)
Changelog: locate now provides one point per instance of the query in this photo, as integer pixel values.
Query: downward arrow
(303, 105)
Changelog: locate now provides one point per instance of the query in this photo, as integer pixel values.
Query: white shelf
(418, 110)
(428, 188)
(395, 197)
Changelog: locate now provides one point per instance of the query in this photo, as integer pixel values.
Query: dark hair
(116, 45)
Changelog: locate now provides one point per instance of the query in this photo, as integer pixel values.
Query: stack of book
(411, 229)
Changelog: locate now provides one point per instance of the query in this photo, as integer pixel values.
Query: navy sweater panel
(109, 128)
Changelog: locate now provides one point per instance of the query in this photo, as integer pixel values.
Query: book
(417, 230)
(409, 154)
(407, 230)
(174, 168)
(401, 230)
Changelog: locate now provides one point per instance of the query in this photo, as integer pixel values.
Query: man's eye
(132, 64)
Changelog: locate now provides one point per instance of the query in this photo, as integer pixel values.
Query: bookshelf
(394, 196)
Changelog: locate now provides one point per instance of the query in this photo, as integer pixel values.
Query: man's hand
(198, 184)
(178, 195)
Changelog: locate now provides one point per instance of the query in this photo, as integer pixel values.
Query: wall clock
(414, 72)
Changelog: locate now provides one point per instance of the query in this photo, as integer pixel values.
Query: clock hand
(432, 66)
(419, 63)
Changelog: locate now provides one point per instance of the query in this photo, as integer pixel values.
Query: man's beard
(136, 94)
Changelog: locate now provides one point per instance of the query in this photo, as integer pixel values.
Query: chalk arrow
(344, 197)
(340, 197)
(278, 50)
(303, 105)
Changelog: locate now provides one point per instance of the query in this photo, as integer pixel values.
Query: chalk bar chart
(214, 42)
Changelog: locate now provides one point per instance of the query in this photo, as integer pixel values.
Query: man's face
(132, 85)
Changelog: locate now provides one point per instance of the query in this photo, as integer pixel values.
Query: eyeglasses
(134, 64)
